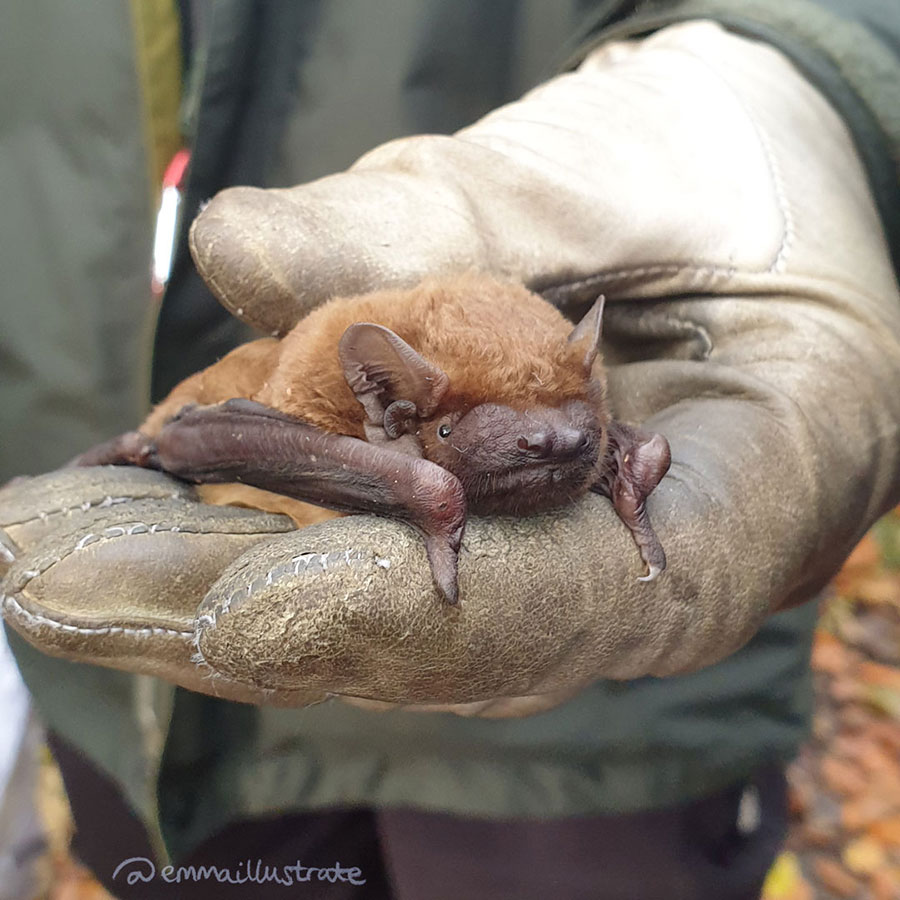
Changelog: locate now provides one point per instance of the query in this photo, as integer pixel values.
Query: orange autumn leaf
(887, 733)
(874, 588)
(880, 675)
(886, 830)
(879, 763)
(845, 689)
(885, 885)
(835, 877)
(866, 555)
(830, 654)
(843, 777)
(75, 883)
(866, 812)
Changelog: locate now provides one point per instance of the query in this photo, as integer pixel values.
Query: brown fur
(496, 341)
(240, 373)
(249, 497)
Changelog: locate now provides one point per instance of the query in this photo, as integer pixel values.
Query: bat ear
(382, 369)
(586, 334)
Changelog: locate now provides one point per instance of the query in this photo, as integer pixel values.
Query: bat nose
(561, 442)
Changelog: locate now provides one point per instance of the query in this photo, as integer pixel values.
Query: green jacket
(280, 93)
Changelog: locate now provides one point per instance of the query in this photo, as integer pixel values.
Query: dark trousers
(694, 852)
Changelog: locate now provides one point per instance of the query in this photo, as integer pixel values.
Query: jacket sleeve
(849, 49)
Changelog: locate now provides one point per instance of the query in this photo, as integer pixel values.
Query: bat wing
(246, 442)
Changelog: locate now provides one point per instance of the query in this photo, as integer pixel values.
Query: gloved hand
(715, 197)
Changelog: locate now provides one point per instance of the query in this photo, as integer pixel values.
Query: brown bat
(460, 393)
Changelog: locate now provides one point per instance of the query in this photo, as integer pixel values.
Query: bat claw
(652, 575)
(444, 561)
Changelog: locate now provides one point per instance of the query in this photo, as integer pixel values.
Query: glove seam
(840, 53)
(111, 532)
(88, 505)
(10, 602)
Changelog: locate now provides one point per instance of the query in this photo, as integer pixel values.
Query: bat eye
(444, 431)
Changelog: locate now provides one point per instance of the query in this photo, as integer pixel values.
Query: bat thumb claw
(444, 567)
(652, 575)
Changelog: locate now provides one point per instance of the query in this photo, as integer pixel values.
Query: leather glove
(715, 197)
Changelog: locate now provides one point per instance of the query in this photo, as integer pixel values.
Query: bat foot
(635, 463)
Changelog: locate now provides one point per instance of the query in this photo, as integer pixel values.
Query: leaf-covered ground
(844, 840)
(845, 787)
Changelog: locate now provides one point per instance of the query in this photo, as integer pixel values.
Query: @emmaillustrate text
(250, 871)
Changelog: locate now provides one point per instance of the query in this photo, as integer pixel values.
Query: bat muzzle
(523, 461)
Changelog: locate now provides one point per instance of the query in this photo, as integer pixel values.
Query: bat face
(518, 462)
(516, 444)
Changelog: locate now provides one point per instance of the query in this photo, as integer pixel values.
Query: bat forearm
(249, 443)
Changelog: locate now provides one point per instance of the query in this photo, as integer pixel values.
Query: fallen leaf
(884, 885)
(75, 883)
(785, 880)
(886, 830)
(857, 718)
(835, 877)
(830, 654)
(866, 812)
(879, 675)
(865, 555)
(800, 798)
(843, 777)
(850, 746)
(877, 761)
(819, 834)
(883, 699)
(845, 689)
(883, 587)
(878, 635)
(887, 733)
(886, 533)
(824, 726)
(864, 856)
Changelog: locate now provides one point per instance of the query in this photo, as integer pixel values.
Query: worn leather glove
(715, 197)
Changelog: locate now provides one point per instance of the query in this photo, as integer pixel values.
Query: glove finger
(32, 508)
(271, 256)
(349, 607)
(118, 583)
(782, 427)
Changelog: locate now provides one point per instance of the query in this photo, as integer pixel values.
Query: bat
(462, 394)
